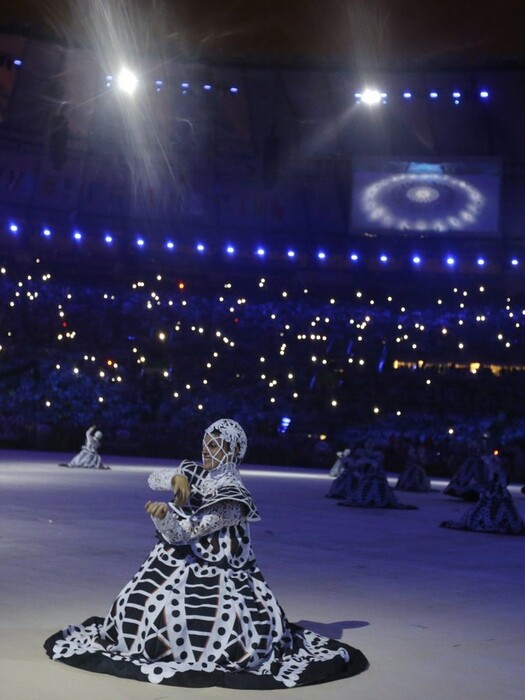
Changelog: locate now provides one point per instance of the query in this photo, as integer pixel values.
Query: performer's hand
(156, 509)
(181, 489)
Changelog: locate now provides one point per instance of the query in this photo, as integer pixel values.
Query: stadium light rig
(371, 97)
(127, 81)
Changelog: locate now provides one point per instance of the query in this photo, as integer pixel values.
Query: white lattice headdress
(230, 432)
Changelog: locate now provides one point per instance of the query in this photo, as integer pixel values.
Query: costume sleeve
(184, 530)
(89, 438)
(160, 479)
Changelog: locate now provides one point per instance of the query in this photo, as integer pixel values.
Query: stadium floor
(439, 613)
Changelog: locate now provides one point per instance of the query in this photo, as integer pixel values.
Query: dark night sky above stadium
(358, 31)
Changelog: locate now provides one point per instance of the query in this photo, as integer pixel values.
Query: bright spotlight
(291, 254)
(481, 261)
(108, 238)
(451, 261)
(200, 247)
(261, 252)
(127, 81)
(321, 255)
(371, 96)
(354, 257)
(46, 232)
(407, 95)
(140, 242)
(170, 245)
(230, 250)
(514, 262)
(384, 258)
(484, 94)
(416, 260)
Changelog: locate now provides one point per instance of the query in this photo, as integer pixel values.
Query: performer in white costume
(88, 457)
(199, 613)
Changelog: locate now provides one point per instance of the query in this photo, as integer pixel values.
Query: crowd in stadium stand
(151, 361)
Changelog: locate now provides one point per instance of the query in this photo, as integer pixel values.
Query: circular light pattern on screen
(422, 202)
(422, 193)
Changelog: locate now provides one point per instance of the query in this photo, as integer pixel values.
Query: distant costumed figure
(470, 478)
(414, 477)
(349, 469)
(88, 457)
(339, 465)
(344, 471)
(199, 612)
(495, 511)
(372, 490)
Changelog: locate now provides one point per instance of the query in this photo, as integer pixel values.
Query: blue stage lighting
(77, 236)
(383, 258)
(285, 424)
(234, 89)
(416, 260)
(17, 62)
(159, 84)
(456, 95)
(230, 250)
(46, 232)
(170, 245)
(140, 242)
(354, 257)
(514, 262)
(407, 95)
(13, 228)
(206, 86)
(108, 238)
(184, 86)
(321, 255)
(291, 254)
(481, 261)
(261, 252)
(450, 261)
(433, 95)
(200, 247)
(484, 94)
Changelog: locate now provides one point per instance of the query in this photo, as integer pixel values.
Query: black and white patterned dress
(198, 612)
(372, 490)
(495, 512)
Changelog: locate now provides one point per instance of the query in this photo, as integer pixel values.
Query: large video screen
(426, 197)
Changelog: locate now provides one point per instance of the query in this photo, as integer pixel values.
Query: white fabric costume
(198, 612)
(88, 457)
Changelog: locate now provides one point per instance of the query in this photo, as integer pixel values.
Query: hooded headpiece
(232, 439)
